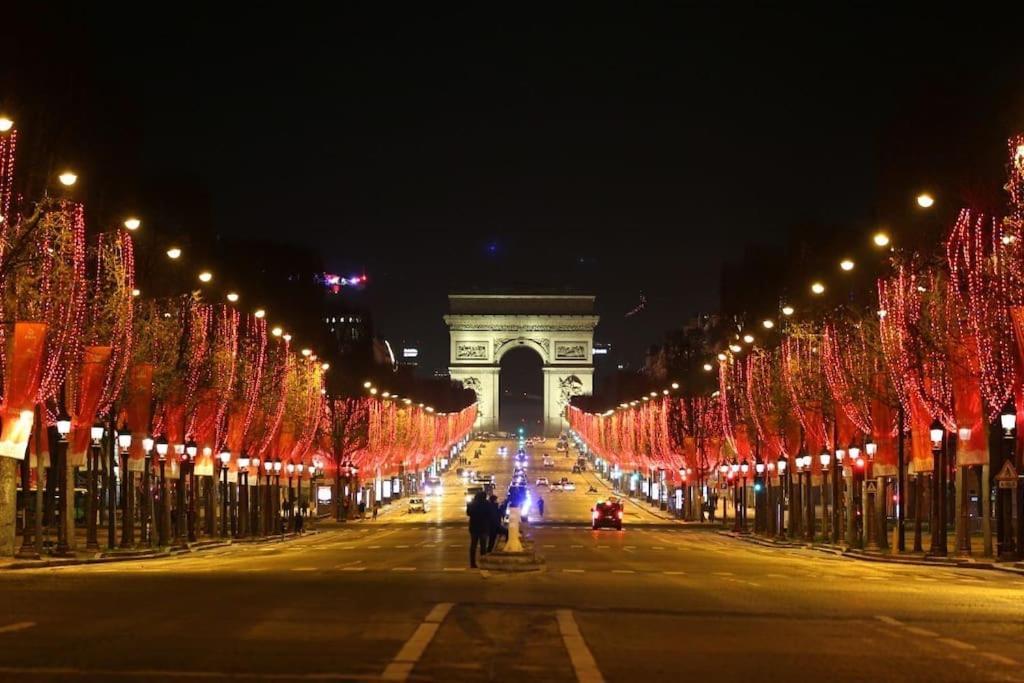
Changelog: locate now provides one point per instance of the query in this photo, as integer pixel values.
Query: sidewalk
(117, 555)
(920, 559)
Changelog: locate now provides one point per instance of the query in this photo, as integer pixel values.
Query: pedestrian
(540, 506)
(298, 520)
(479, 517)
(376, 506)
(362, 509)
(495, 522)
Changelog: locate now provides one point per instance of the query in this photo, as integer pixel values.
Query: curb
(866, 556)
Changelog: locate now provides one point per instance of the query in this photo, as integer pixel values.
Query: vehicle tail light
(619, 514)
(595, 514)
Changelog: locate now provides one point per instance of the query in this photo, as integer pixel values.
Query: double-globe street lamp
(92, 544)
(224, 458)
(124, 443)
(164, 525)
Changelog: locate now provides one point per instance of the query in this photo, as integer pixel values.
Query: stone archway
(560, 328)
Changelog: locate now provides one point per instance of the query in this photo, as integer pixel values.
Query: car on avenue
(607, 513)
(542, 481)
(419, 505)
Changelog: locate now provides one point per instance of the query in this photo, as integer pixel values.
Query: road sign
(871, 486)
(1007, 476)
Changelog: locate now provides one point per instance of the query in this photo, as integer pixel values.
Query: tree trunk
(338, 493)
(8, 505)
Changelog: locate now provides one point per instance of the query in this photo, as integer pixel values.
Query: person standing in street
(540, 506)
(479, 526)
(495, 522)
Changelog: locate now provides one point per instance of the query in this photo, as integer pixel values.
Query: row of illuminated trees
(198, 384)
(921, 379)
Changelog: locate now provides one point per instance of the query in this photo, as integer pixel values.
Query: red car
(607, 513)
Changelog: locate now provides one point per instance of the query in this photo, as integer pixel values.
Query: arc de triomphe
(560, 328)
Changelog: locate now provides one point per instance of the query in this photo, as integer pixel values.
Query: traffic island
(517, 554)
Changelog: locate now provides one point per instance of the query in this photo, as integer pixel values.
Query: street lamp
(937, 434)
(784, 484)
(744, 469)
(243, 494)
(146, 512)
(96, 433)
(224, 457)
(63, 529)
(825, 459)
(163, 528)
(124, 442)
(291, 495)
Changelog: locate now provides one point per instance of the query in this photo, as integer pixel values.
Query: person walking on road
(540, 506)
(479, 526)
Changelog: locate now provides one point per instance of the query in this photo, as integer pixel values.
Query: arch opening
(521, 386)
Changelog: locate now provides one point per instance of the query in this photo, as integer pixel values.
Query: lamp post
(180, 503)
(299, 467)
(291, 498)
(723, 478)
(191, 450)
(842, 495)
(112, 489)
(759, 496)
(277, 495)
(257, 526)
(744, 469)
(784, 494)
(224, 457)
(938, 525)
(124, 443)
(825, 459)
(734, 481)
(63, 548)
(268, 507)
(1005, 509)
(878, 538)
(92, 543)
(146, 529)
(856, 496)
(164, 527)
(243, 495)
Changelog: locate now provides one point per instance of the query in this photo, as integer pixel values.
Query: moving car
(548, 462)
(418, 505)
(503, 451)
(542, 481)
(607, 513)
(568, 485)
(432, 487)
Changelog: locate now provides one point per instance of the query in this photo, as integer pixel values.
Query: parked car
(542, 481)
(418, 505)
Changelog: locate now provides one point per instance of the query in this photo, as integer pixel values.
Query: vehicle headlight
(469, 499)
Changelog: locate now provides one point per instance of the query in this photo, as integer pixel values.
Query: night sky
(626, 153)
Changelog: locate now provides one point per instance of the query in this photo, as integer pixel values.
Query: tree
(347, 427)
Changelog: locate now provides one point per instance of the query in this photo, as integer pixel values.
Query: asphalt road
(394, 599)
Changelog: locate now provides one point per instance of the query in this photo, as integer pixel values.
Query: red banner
(138, 408)
(21, 385)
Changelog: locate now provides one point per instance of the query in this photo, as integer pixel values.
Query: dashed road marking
(573, 571)
(917, 631)
(19, 626)
(674, 573)
(623, 571)
(723, 574)
(353, 569)
(454, 569)
(401, 666)
(958, 644)
(403, 569)
(303, 569)
(1000, 659)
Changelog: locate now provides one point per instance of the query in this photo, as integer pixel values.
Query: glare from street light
(260, 313)
(67, 178)
(136, 292)
(232, 297)
(325, 366)
(5, 124)
(205, 276)
(768, 323)
(173, 253)
(925, 200)
(286, 337)
(277, 332)
(787, 310)
(818, 288)
(881, 239)
(307, 352)
(846, 264)
(132, 223)
(708, 367)
(748, 338)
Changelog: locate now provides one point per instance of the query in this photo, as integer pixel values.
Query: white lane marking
(454, 569)
(575, 546)
(303, 569)
(776, 576)
(353, 569)
(958, 644)
(403, 569)
(373, 547)
(401, 546)
(158, 674)
(623, 571)
(19, 626)
(573, 571)
(454, 545)
(401, 666)
(889, 620)
(602, 547)
(579, 654)
(549, 545)
(675, 573)
(723, 573)
(1000, 659)
(921, 631)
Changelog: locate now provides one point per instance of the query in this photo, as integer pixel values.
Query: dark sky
(627, 152)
